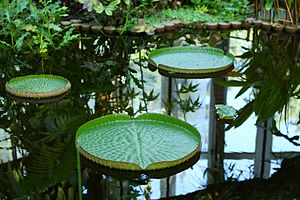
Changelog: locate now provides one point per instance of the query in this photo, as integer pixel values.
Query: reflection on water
(37, 140)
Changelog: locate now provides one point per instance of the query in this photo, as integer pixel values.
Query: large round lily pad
(38, 86)
(148, 142)
(190, 62)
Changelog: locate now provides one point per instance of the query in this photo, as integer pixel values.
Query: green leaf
(274, 103)
(60, 194)
(290, 2)
(148, 142)
(99, 8)
(260, 100)
(68, 37)
(83, 1)
(108, 11)
(242, 90)
(243, 114)
(51, 165)
(5, 44)
(127, 2)
(20, 41)
(113, 5)
(54, 27)
(231, 83)
(269, 4)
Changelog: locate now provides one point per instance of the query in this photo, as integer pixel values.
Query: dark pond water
(110, 75)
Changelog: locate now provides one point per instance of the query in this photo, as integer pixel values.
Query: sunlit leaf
(269, 4)
(127, 2)
(20, 41)
(99, 8)
(119, 141)
(5, 43)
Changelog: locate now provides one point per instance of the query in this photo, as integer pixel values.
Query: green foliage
(228, 8)
(154, 12)
(107, 7)
(48, 138)
(99, 7)
(273, 75)
(11, 32)
(29, 26)
(190, 15)
(269, 4)
(184, 97)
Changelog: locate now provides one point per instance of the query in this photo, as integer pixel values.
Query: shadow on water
(109, 75)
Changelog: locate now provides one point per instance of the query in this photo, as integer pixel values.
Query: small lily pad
(148, 142)
(38, 86)
(190, 62)
(226, 112)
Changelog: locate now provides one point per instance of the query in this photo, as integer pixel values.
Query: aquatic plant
(38, 86)
(183, 62)
(100, 141)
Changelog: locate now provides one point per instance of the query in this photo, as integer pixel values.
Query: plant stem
(126, 22)
(43, 70)
(79, 175)
(288, 9)
(12, 40)
(142, 81)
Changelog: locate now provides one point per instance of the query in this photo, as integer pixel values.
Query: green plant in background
(188, 15)
(127, 13)
(286, 11)
(273, 75)
(184, 97)
(107, 7)
(191, 15)
(201, 5)
(48, 139)
(228, 8)
(44, 27)
(12, 34)
(29, 27)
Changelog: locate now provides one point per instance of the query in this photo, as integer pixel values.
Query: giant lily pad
(38, 86)
(190, 62)
(148, 142)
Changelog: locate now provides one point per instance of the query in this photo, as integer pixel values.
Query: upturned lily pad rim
(37, 95)
(132, 166)
(189, 73)
(130, 174)
(38, 100)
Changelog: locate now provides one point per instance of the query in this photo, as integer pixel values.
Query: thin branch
(290, 139)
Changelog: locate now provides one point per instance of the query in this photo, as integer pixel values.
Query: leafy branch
(184, 99)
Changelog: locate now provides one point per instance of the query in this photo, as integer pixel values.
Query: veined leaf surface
(192, 62)
(148, 142)
(38, 86)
